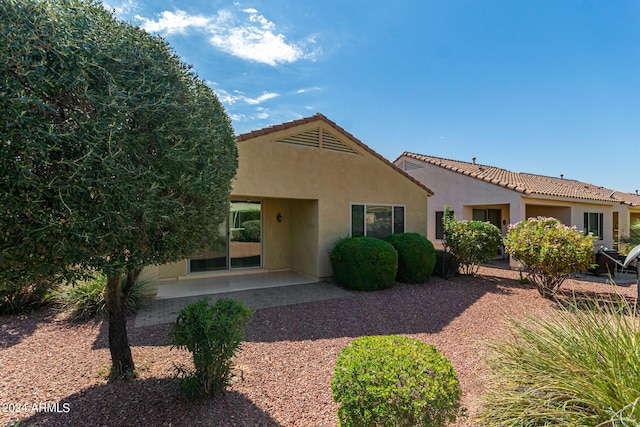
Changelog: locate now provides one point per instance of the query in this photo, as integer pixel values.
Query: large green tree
(114, 154)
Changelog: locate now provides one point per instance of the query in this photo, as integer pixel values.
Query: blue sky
(542, 86)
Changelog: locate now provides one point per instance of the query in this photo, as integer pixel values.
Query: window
(439, 225)
(593, 223)
(493, 216)
(376, 220)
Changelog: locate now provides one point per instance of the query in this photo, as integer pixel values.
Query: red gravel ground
(284, 368)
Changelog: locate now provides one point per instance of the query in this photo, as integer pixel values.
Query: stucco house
(300, 187)
(481, 192)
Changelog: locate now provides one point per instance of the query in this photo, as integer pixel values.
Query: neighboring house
(480, 192)
(300, 187)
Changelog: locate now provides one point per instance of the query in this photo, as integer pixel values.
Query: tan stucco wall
(172, 270)
(276, 236)
(304, 237)
(463, 194)
(333, 180)
(313, 189)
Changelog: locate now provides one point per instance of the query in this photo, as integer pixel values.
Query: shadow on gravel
(589, 300)
(403, 309)
(150, 402)
(138, 336)
(14, 329)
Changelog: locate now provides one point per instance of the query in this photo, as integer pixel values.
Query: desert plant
(84, 299)
(579, 367)
(213, 334)
(549, 250)
(471, 242)
(416, 257)
(364, 263)
(446, 264)
(21, 297)
(394, 381)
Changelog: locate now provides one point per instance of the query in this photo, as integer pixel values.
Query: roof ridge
(526, 182)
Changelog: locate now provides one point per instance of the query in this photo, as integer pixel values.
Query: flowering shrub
(471, 242)
(549, 250)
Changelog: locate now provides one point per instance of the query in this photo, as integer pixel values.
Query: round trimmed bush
(251, 231)
(364, 263)
(447, 264)
(416, 257)
(394, 380)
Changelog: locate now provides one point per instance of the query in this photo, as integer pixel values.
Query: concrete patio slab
(165, 310)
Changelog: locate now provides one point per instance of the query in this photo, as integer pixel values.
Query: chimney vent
(473, 160)
(561, 176)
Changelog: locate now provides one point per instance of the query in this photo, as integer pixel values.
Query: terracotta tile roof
(530, 184)
(321, 117)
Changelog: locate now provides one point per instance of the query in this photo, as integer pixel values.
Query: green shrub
(251, 231)
(549, 250)
(85, 298)
(471, 242)
(580, 367)
(212, 334)
(364, 263)
(416, 257)
(16, 298)
(446, 264)
(394, 381)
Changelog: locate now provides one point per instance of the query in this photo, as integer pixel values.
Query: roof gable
(318, 138)
(526, 183)
(328, 136)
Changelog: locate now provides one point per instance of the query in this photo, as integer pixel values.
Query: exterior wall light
(279, 217)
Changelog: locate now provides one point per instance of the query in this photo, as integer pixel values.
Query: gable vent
(307, 139)
(408, 166)
(330, 142)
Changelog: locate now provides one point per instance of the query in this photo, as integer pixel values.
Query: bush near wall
(447, 264)
(416, 257)
(364, 263)
(395, 381)
(472, 242)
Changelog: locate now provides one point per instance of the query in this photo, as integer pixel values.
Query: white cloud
(173, 22)
(264, 97)
(308, 89)
(247, 35)
(255, 40)
(236, 96)
(122, 8)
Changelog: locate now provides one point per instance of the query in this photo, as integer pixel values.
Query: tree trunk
(121, 360)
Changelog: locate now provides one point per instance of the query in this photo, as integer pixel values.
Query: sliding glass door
(239, 241)
(245, 234)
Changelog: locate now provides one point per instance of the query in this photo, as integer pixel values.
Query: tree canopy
(114, 154)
